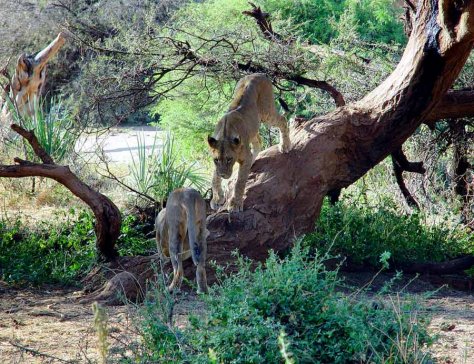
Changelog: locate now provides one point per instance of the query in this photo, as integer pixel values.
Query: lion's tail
(283, 104)
(194, 245)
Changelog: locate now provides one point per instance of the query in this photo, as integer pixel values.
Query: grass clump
(363, 233)
(289, 310)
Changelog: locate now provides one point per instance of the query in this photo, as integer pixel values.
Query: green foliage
(313, 18)
(192, 118)
(249, 310)
(364, 233)
(60, 252)
(160, 170)
(49, 253)
(377, 20)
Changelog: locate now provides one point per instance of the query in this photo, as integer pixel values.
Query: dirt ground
(50, 326)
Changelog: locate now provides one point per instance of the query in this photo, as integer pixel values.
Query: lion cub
(181, 233)
(252, 103)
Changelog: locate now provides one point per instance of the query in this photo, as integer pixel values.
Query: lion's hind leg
(175, 249)
(256, 147)
(201, 277)
(281, 123)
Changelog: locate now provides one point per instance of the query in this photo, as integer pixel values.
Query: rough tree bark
(108, 218)
(400, 162)
(285, 191)
(29, 78)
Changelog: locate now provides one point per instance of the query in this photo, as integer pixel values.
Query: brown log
(284, 192)
(108, 218)
(449, 267)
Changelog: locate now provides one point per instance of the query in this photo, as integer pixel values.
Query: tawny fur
(181, 234)
(253, 103)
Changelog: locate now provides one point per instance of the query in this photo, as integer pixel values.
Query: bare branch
(400, 165)
(263, 21)
(265, 25)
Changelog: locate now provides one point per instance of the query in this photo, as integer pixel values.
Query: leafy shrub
(293, 301)
(363, 233)
(60, 252)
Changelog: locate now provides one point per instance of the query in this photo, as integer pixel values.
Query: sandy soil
(50, 326)
(451, 314)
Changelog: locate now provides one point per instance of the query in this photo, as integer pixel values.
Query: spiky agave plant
(54, 128)
(157, 170)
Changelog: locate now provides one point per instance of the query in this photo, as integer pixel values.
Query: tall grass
(53, 127)
(158, 170)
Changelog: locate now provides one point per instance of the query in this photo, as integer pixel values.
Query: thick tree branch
(454, 105)
(108, 219)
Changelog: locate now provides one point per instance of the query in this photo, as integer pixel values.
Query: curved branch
(400, 165)
(322, 85)
(265, 26)
(108, 218)
(402, 161)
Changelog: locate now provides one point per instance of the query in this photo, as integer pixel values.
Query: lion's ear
(236, 140)
(212, 141)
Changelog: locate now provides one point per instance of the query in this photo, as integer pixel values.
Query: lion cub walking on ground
(181, 233)
(252, 103)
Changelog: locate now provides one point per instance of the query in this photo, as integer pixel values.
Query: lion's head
(224, 152)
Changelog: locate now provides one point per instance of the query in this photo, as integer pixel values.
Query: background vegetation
(173, 65)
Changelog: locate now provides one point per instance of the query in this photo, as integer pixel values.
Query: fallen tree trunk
(284, 192)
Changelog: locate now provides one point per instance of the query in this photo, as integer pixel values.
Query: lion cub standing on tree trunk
(181, 233)
(252, 103)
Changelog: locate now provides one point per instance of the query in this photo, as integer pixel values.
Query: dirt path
(451, 313)
(53, 323)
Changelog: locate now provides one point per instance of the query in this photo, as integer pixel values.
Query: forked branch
(400, 165)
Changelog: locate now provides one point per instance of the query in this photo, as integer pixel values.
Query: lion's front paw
(216, 204)
(284, 148)
(235, 205)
